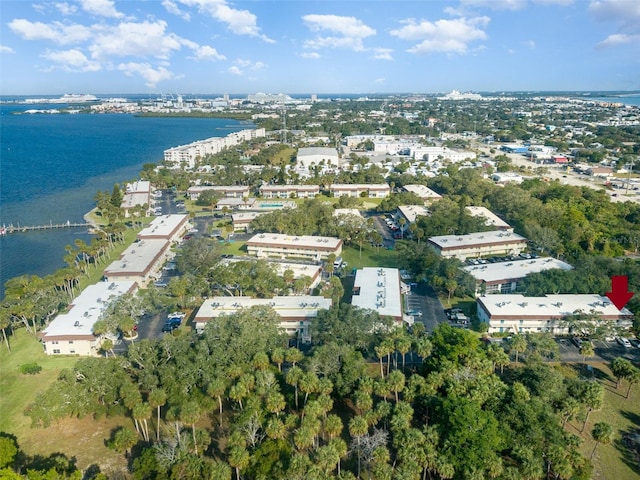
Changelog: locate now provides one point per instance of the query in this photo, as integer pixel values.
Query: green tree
(601, 433)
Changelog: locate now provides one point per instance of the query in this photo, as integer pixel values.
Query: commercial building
(376, 190)
(432, 154)
(186, 155)
(379, 289)
(71, 333)
(166, 227)
(289, 191)
(425, 193)
(295, 312)
(505, 277)
(491, 219)
(519, 314)
(140, 262)
(506, 177)
(309, 156)
(479, 244)
(289, 246)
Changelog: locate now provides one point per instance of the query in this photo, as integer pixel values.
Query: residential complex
(295, 311)
(378, 190)
(425, 193)
(505, 277)
(491, 219)
(226, 191)
(379, 289)
(137, 194)
(289, 246)
(289, 191)
(519, 314)
(186, 155)
(479, 244)
(71, 333)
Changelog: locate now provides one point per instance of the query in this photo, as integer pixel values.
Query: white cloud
(350, 32)
(311, 55)
(206, 53)
(496, 4)
(56, 32)
(258, 66)
(240, 22)
(379, 80)
(171, 7)
(65, 8)
(625, 14)
(103, 8)
(5, 49)
(448, 36)
(530, 44)
(144, 39)
(71, 60)
(382, 53)
(152, 76)
(235, 70)
(619, 39)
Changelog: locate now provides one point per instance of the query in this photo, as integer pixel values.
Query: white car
(624, 342)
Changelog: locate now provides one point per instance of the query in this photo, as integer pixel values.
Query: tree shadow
(629, 443)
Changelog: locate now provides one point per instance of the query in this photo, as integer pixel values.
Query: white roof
(294, 306)
(86, 309)
(410, 212)
(359, 186)
(315, 151)
(379, 290)
(140, 186)
(555, 306)
(299, 269)
(347, 211)
(137, 258)
(477, 238)
(163, 226)
(491, 218)
(308, 241)
(493, 272)
(422, 191)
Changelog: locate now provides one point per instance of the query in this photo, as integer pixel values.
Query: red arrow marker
(619, 293)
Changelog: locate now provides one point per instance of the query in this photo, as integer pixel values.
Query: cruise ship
(66, 98)
(456, 95)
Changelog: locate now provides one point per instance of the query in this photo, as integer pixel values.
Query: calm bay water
(51, 167)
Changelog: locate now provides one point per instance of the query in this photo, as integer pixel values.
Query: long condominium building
(186, 155)
(291, 246)
(519, 314)
(479, 244)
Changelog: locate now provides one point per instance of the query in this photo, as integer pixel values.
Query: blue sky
(280, 46)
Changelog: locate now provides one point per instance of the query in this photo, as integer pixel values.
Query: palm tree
(157, 398)
(601, 433)
(518, 345)
(586, 350)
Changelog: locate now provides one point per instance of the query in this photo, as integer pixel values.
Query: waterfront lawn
(79, 438)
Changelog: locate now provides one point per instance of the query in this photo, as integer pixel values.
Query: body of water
(52, 165)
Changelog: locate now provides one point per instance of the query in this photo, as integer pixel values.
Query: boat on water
(66, 98)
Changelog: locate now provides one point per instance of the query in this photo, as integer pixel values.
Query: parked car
(161, 284)
(624, 342)
(167, 328)
(577, 341)
(414, 313)
(635, 342)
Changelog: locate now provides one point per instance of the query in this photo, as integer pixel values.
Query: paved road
(424, 299)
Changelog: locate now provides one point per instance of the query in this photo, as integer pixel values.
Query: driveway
(423, 298)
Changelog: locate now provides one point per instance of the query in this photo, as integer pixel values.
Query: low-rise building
(289, 191)
(137, 194)
(295, 312)
(312, 271)
(308, 156)
(71, 333)
(491, 219)
(505, 277)
(379, 289)
(479, 244)
(410, 213)
(241, 220)
(225, 191)
(377, 190)
(140, 262)
(519, 314)
(280, 245)
(425, 193)
(506, 177)
(166, 227)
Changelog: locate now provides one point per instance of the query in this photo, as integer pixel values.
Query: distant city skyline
(324, 47)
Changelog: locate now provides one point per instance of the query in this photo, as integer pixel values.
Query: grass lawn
(83, 439)
(623, 414)
(370, 257)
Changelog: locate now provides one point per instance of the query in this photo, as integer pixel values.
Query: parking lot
(604, 351)
(422, 298)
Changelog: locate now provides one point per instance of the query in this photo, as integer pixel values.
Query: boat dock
(4, 230)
